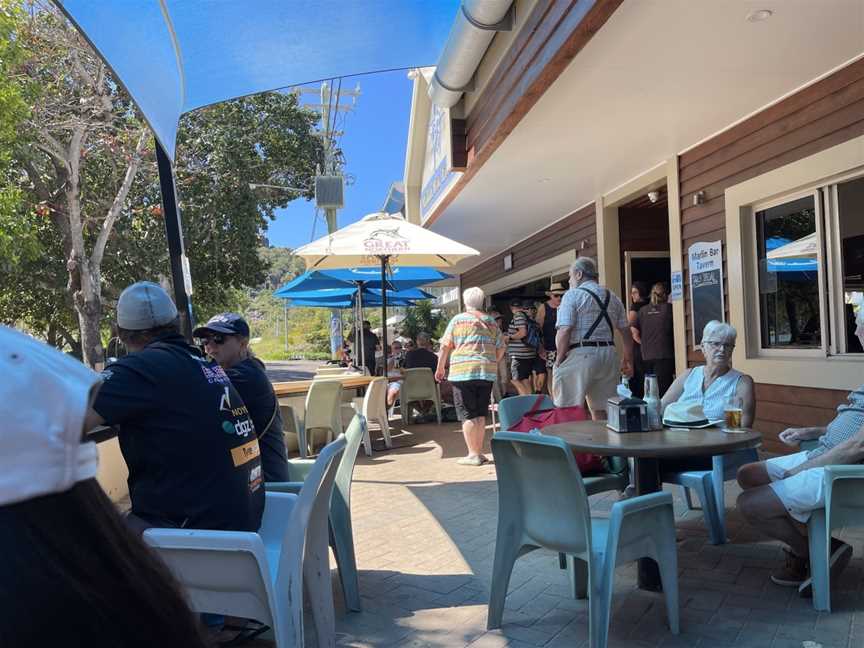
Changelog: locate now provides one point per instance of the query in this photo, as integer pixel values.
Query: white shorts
(801, 493)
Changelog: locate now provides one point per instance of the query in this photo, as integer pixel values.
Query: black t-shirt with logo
(186, 436)
(256, 390)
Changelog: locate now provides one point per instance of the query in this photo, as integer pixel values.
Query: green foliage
(50, 82)
(420, 318)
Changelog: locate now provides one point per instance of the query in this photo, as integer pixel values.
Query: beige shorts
(587, 373)
(801, 493)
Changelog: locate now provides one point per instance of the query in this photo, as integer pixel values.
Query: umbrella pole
(384, 310)
(358, 322)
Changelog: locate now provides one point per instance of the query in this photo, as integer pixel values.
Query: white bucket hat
(44, 396)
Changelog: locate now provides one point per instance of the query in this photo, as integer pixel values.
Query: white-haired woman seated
(711, 385)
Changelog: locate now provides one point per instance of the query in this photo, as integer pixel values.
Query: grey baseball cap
(144, 305)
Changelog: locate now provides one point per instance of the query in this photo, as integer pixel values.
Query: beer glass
(732, 413)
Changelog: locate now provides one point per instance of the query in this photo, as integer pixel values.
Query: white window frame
(755, 325)
(822, 368)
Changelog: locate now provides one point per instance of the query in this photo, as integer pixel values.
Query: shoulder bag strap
(536, 405)
(604, 313)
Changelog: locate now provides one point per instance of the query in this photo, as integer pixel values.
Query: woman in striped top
(474, 345)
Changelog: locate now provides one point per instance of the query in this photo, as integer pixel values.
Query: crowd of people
(201, 434)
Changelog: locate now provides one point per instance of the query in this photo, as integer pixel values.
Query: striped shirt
(849, 420)
(580, 311)
(518, 348)
(475, 341)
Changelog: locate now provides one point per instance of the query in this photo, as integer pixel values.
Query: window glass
(850, 199)
(787, 248)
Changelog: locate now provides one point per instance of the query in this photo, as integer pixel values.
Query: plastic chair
(326, 370)
(418, 385)
(341, 532)
(373, 406)
(323, 411)
(708, 485)
(844, 507)
(511, 409)
(262, 575)
(557, 517)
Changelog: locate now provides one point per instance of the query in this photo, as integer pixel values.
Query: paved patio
(425, 536)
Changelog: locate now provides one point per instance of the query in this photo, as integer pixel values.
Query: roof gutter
(474, 28)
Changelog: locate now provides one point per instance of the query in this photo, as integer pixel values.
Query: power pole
(331, 95)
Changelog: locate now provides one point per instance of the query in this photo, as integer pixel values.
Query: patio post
(384, 309)
(174, 233)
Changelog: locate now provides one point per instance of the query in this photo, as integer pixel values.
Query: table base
(647, 480)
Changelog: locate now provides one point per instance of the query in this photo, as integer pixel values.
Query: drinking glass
(733, 410)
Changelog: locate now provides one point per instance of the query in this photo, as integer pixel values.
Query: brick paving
(425, 535)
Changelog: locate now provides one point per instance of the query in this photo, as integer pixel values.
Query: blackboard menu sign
(706, 285)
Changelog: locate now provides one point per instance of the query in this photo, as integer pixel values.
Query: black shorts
(471, 398)
(521, 368)
(539, 366)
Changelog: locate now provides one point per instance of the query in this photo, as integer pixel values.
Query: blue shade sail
(399, 278)
(371, 296)
(174, 56)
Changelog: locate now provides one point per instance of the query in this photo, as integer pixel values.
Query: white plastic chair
(262, 575)
(418, 385)
(373, 406)
(323, 411)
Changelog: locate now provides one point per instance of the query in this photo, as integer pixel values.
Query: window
(789, 275)
(850, 216)
(810, 255)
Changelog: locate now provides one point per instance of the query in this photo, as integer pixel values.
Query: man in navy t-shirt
(226, 340)
(185, 433)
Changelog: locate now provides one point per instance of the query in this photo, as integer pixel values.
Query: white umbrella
(382, 239)
(803, 248)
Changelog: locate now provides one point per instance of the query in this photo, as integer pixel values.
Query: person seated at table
(72, 573)
(394, 370)
(711, 386)
(421, 357)
(781, 493)
(226, 340)
(185, 433)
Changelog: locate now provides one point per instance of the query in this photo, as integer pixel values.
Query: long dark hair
(72, 574)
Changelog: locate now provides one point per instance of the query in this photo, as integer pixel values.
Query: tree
(88, 188)
(421, 318)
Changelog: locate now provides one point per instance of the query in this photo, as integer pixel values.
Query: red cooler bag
(536, 418)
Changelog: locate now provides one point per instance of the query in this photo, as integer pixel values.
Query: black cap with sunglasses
(222, 324)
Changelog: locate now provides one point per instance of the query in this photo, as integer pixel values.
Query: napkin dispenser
(627, 414)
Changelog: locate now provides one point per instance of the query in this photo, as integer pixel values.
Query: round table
(647, 448)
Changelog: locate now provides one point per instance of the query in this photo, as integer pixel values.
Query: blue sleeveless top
(714, 400)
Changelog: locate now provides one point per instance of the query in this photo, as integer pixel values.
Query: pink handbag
(536, 418)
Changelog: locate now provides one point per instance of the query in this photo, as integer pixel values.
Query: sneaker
(471, 460)
(841, 554)
(795, 572)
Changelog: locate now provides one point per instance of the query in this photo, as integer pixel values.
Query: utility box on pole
(329, 192)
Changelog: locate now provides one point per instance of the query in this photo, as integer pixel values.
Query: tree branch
(119, 201)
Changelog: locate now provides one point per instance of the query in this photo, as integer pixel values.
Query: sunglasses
(558, 295)
(214, 339)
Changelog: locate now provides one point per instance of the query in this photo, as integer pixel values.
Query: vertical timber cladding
(578, 231)
(818, 117)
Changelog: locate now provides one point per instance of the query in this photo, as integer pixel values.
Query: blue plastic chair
(844, 507)
(708, 485)
(341, 532)
(513, 408)
(542, 503)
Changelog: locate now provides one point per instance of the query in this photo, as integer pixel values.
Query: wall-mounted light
(698, 198)
(508, 261)
(653, 196)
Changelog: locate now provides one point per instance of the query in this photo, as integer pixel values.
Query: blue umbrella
(398, 279)
(348, 296)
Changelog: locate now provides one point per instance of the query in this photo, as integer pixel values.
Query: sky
(376, 133)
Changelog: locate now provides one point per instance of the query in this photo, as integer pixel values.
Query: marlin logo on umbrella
(386, 241)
